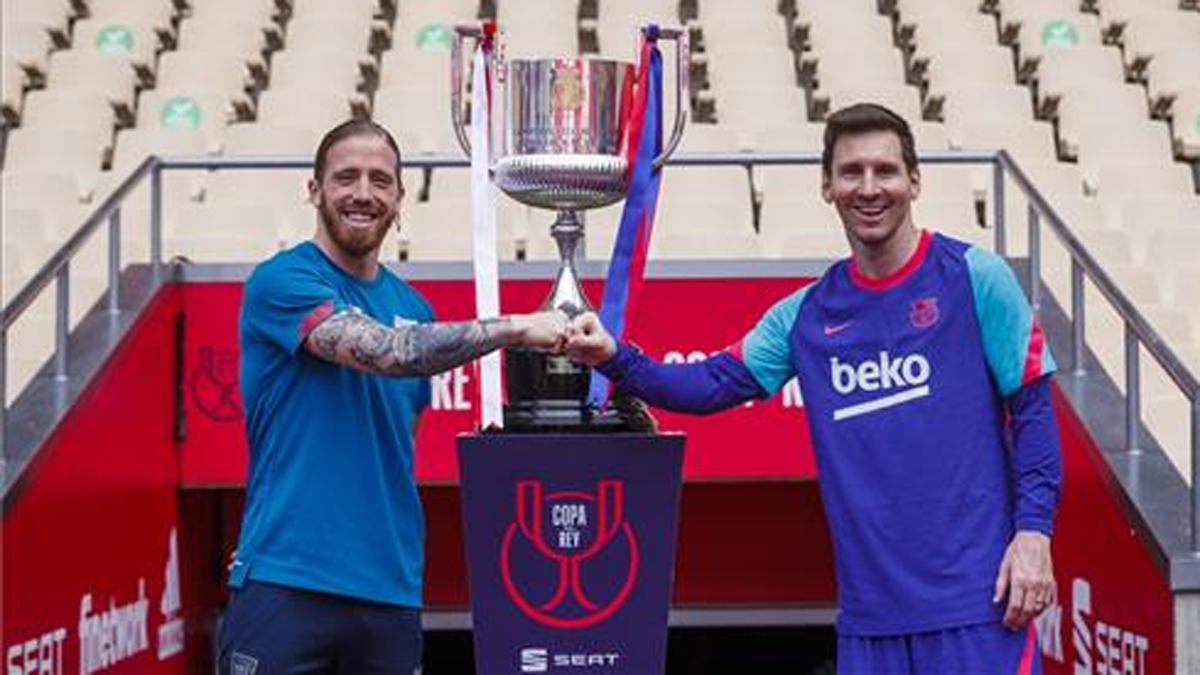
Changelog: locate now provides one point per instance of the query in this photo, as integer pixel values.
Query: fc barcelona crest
(924, 312)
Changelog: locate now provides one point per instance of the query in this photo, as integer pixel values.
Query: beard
(356, 242)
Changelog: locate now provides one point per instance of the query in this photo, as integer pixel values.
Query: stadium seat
(221, 233)
(50, 16)
(984, 104)
(337, 71)
(55, 149)
(1185, 123)
(131, 38)
(1102, 142)
(1114, 14)
(203, 70)
(1078, 106)
(902, 98)
(1170, 72)
(415, 69)
(703, 137)
(205, 112)
(265, 13)
(419, 118)
(1042, 32)
(1085, 65)
(134, 145)
(236, 36)
(1150, 32)
(14, 89)
(785, 137)
(92, 71)
(968, 66)
(337, 32)
(160, 14)
(262, 139)
(29, 44)
(953, 33)
(311, 106)
(747, 109)
(1138, 179)
(849, 67)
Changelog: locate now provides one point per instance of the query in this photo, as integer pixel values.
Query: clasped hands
(581, 338)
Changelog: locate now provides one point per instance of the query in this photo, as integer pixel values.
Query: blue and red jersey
(927, 400)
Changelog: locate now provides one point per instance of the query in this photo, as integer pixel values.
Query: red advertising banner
(679, 320)
(93, 579)
(1114, 611)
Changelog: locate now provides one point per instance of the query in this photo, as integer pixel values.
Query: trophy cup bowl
(559, 135)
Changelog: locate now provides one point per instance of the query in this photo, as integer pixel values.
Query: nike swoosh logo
(834, 329)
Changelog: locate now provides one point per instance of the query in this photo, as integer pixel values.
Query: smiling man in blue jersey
(926, 380)
(336, 352)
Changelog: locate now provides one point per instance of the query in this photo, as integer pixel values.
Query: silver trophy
(559, 134)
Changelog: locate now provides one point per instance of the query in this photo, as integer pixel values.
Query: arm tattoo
(354, 339)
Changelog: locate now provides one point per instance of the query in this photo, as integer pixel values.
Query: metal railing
(1137, 331)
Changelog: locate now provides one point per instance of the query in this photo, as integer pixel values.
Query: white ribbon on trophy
(483, 215)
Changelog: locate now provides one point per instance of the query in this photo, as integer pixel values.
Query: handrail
(1146, 333)
(1083, 264)
(50, 270)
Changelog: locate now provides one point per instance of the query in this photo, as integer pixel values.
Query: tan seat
(159, 14)
(763, 67)
(748, 109)
(38, 188)
(262, 139)
(918, 20)
(1133, 180)
(1102, 143)
(336, 70)
(315, 107)
(1062, 69)
(29, 44)
(982, 104)
(134, 145)
(214, 233)
(1170, 72)
(707, 137)
(1150, 32)
(263, 12)
(1144, 215)
(227, 34)
(336, 32)
(52, 16)
(415, 69)
(1174, 246)
(88, 70)
(205, 70)
(14, 89)
(1114, 14)
(1040, 33)
(1185, 118)
(789, 137)
(812, 244)
(419, 118)
(711, 185)
(1080, 106)
(720, 245)
(849, 68)
(968, 66)
(741, 26)
(951, 34)
(900, 98)
(132, 38)
(204, 112)
(27, 347)
(51, 149)
(362, 11)
(929, 135)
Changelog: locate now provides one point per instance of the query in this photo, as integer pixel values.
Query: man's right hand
(588, 342)
(542, 330)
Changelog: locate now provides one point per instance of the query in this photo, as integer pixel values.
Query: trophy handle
(461, 35)
(682, 95)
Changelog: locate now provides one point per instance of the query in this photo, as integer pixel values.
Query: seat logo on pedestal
(569, 559)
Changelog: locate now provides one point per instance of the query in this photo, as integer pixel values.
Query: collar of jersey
(895, 278)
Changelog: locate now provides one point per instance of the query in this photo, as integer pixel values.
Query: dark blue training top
(331, 503)
(905, 383)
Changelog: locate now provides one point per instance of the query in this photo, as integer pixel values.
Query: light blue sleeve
(766, 350)
(1013, 341)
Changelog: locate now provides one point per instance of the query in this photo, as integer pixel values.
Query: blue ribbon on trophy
(627, 267)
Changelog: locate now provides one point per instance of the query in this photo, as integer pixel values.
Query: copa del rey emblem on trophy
(566, 134)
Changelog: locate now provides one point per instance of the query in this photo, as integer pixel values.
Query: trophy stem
(567, 294)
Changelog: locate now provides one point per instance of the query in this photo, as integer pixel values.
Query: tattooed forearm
(356, 340)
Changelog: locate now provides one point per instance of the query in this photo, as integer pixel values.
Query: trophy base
(573, 416)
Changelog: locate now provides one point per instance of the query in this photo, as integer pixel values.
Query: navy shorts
(984, 649)
(269, 629)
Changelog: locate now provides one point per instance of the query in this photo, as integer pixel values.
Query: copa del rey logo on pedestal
(569, 559)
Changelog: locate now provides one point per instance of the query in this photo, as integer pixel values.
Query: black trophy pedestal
(548, 393)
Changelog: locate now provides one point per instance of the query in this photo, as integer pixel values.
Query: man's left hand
(1027, 578)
